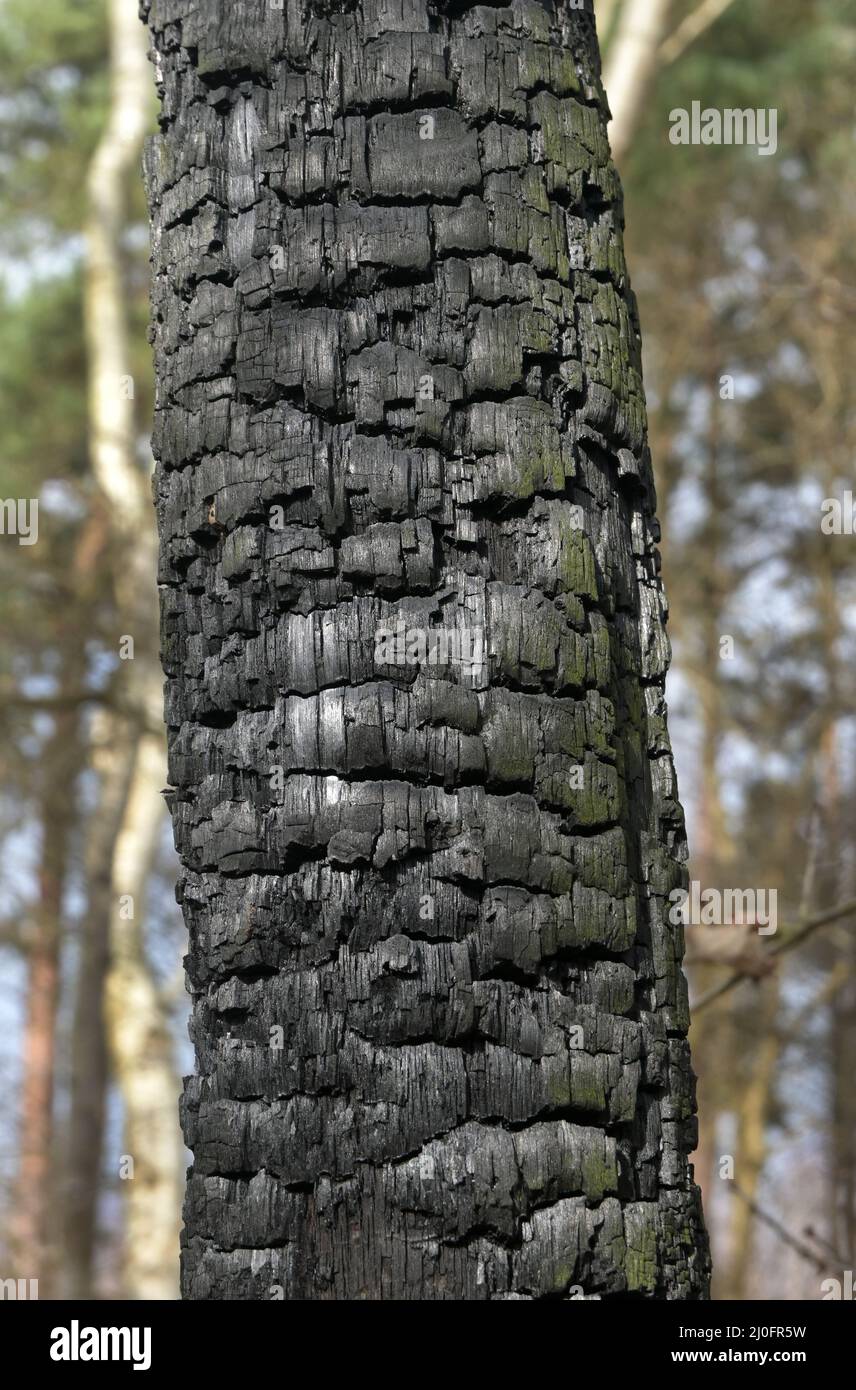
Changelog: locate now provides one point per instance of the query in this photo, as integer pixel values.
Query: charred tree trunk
(414, 637)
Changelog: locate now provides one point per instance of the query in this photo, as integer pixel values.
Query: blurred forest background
(745, 270)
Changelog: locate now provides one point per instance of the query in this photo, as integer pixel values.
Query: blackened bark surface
(439, 1014)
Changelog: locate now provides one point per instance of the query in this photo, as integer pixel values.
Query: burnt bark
(439, 1014)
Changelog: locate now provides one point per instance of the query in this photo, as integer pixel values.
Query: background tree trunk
(439, 1014)
(136, 1022)
(141, 1044)
(32, 1231)
(111, 758)
(633, 60)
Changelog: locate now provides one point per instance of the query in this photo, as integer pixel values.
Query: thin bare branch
(788, 943)
(784, 1235)
(842, 1261)
(692, 28)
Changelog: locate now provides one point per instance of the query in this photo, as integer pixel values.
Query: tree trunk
(141, 1046)
(414, 638)
(633, 60)
(136, 1021)
(712, 848)
(111, 760)
(753, 1120)
(32, 1233)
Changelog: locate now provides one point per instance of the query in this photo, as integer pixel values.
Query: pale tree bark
(639, 45)
(141, 1045)
(835, 873)
(137, 1024)
(439, 1014)
(714, 851)
(633, 59)
(712, 848)
(112, 445)
(753, 1118)
(837, 886)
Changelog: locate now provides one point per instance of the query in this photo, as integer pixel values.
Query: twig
(785, 1236)
(692, 28)
(796, 938)
(840, 1260)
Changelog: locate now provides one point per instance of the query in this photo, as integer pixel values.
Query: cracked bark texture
(439, 1014)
